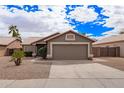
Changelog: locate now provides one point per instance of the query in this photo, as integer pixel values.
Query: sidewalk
(63, 83)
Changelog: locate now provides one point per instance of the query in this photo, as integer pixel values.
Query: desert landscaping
(27, 70)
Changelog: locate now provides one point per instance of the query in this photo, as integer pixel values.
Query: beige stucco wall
(2, 50)
(116, 44)
(31, 48)
(62, 39)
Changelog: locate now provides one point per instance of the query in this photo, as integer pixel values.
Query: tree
(14, 31)
(18, 53)
(17, 57)
(43, 52)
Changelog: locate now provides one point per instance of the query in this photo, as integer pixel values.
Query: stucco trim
(59, 43)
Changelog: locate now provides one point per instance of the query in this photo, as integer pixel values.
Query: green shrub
(43, 52)
(17, 57)
(28, 54)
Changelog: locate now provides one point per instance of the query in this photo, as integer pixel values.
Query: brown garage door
(70, 52)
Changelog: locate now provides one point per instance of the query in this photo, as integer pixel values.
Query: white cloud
(116, 19)
(84, 14)
(45, 22)
(37, 24)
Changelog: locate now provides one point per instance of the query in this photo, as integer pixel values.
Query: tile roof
(6, 40)
(110, 39)
(47, 37)
(29, 40)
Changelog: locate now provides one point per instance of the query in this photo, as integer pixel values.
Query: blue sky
(90, 27)
(92, 19)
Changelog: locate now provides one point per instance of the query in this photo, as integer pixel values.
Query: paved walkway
(63, 83)
(64, 74)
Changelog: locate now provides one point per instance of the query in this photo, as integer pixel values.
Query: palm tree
(18, 53)
(17, 57)
(14, 31)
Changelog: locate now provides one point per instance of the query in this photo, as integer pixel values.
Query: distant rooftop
(114, 38)
(6, 40)
(29, 40)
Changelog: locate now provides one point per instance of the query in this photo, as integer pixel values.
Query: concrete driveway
(83, 69)
(74, 73)
(84, 74)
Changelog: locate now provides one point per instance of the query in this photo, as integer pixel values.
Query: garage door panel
(72, 52)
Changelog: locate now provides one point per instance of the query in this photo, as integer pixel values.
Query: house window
(70, 37)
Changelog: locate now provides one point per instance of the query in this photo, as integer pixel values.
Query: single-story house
(68, 45)
(114, 44)
(8, 44)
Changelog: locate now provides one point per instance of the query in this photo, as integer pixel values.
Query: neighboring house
(67, 45)
(115, 43)
(8, 44)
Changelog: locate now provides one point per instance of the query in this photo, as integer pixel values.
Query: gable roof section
(6, 40)
(28, 41)
(16, 44)
(47, 37)
(83, 36)
(110, 39)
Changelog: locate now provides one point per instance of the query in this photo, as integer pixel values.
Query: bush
(17, 57)
(43, 52)
(28, 54)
